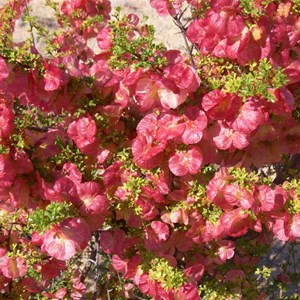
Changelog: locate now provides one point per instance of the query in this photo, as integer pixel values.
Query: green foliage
(31, 256)
(87, 105)
(22, 57)
(62, 281)
(138, 51)
(134, 185)
(169, 277)
(125, 156)
(265, 272)
(62, 19)
(208, 169)
(293, 204)
(294, 184)
(33, 119)
(197, 190)
(213, 71)
(242, 177)
(249, 7)
(254, 80)
(18, 55)
(212, 289)
(6, 28)
(258, 82)
(296, 6)
(41, 31)
(295, 296)
(7, 219)
(36, 275)
(211, 212)
(41, 220)
(4, 149)
(200, 12)
(89, 22)
(246, 179)
(69, 153)
(207, 209)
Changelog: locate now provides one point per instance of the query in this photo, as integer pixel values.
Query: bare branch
(188, 47)
(27, 11)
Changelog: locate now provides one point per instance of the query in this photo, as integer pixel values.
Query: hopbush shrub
(148, 172)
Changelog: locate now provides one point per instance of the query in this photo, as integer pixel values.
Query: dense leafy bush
(151, 173)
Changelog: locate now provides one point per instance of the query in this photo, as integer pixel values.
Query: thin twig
(30, 24)
(94, 257)
(178, 23)
(108, 296)
(138, 297)
(182, 13)
(279, 252)
(39, 129)
(294, 260)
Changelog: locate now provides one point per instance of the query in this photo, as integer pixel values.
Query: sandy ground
(166, 30)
